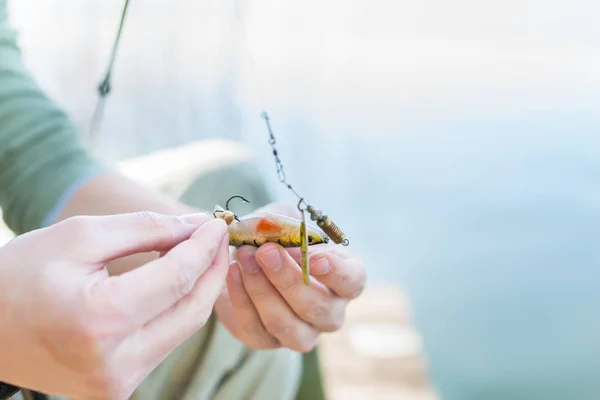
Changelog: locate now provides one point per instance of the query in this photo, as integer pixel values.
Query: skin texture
(81, 333)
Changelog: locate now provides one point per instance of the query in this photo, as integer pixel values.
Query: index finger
(100, 239)
(145, 292)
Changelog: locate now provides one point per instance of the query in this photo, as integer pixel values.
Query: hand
(267, 305)
(70, 329)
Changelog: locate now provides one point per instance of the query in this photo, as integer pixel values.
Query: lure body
(260, 228)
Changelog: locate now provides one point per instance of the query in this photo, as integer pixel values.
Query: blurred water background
(456, 143)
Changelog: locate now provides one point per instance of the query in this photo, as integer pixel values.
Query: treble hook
(233, 197)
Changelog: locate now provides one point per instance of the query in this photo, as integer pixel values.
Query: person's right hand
(70, 329)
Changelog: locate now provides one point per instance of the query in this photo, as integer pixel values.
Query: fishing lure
(263, 227)
(260, 228)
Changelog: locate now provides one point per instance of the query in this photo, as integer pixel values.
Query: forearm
(112, 193)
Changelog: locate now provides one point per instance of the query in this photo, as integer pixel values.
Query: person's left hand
(266, 304)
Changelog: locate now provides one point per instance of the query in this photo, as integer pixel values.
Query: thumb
(100, 239)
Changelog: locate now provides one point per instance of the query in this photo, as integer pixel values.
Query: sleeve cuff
(7, 391)
(65, 198)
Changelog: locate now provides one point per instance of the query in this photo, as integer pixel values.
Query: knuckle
(183, 282)
(202, 317)
(151, 219)
(352, 286)
(315, 311)
(342, 278)
(357, 287)
(288, 282)
(77, 227)
(334, 324)
(256, 333)
(157, 222)
(289, 334)
(352, 280)
(254, 327)
(306, 345)
(279, 327)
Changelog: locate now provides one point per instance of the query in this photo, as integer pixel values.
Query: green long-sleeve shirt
(41, 156)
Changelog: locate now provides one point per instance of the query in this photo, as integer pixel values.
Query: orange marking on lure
(267, 227)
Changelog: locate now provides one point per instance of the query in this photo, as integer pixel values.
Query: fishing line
(251, 64)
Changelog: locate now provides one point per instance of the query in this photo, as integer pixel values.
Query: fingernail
(234, 272)
(320, 266)
(271, 259)
(195, 219)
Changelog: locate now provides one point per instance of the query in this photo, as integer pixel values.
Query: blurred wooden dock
(377, 354)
